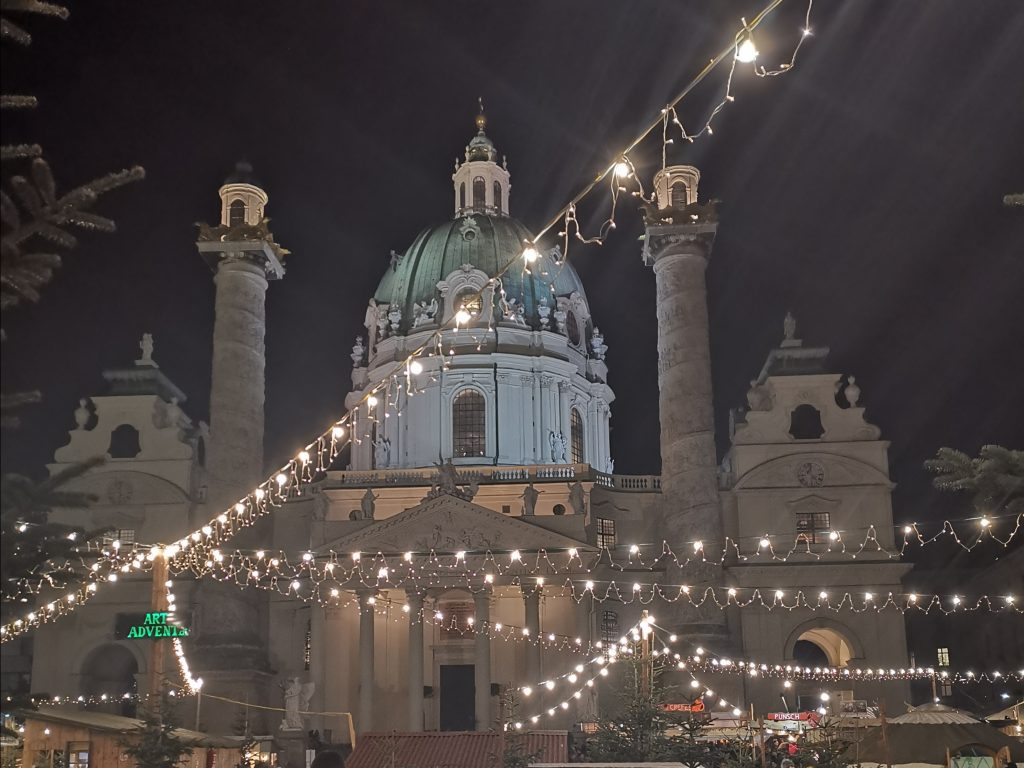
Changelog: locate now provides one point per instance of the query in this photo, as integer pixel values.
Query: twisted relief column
(679, 254)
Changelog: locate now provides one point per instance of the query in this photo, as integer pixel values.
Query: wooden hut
(64, 738)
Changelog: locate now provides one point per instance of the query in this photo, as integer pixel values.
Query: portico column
(415, 600)
(531, 600)
(366, 619)
(539, 435)
(482, 659)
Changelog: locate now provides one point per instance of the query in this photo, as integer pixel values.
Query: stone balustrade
(491, 475)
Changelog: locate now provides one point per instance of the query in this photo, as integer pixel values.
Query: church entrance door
(457, 702)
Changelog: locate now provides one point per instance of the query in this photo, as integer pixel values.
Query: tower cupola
(242, 199)
(481, 184)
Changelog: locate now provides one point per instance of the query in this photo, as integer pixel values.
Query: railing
(502, 474)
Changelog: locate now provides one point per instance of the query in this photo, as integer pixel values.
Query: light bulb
(622, 169)
(530, 254)
(462, 317)
(415, 367)
(337, 432)
(746, 51)
(765, 543)
(371, 401)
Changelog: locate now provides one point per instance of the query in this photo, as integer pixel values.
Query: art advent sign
(154, 624)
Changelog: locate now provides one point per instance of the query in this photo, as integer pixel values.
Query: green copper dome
(487, 243)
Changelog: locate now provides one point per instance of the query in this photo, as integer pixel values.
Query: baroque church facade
(496, 443)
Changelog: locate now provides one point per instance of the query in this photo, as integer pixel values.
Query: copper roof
(452, 749)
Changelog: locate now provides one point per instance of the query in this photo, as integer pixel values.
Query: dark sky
(863, 191)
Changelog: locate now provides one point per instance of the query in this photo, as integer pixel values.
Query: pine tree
(156, 745)
(36, 222)
(995, 478)
(639, 730)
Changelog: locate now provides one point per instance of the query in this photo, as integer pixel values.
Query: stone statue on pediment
(529, 497)
(366, 504)
(577, 498)
(447, 483)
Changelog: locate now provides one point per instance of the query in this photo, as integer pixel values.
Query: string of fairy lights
(476, 569)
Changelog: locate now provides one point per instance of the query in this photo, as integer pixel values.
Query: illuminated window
(605, 533)
(813, 527)
(943, 656)
(469, 424)
(609, 627)
(78, 754)
(236, 213)
(497, 196)
(307, 647)
(479, 192)
(124, 535)
(945, 687)
(576, 435)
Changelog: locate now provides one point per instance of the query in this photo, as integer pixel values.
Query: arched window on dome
(462, 196)
(577, 438)
(497, 197)
(479, 193)
(236, 213)
(572, 328)
(469, 424)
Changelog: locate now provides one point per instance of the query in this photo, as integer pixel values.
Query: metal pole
(646, 660)
(199, 703)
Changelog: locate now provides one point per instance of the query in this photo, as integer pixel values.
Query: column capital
(685, 240)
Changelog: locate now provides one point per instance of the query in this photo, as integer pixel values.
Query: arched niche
(836, 640)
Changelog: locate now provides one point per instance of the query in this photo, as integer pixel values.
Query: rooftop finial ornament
(146, 346)
(789, 332)
(481, 118)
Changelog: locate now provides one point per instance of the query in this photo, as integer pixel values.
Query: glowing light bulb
(530, 254)
(337, 432)
(589, 586)
(825, 697)
(633, 549)
(764, 543)
(462, 317)
(415, 367)
(460, 555)
(371, 401)
(832, 535)
(282, 479)
(698, 546)
(304, 457)
(622, 169)
(527, 690)
(407, 557)
(746, 51)
(985, 522)
(515, 555)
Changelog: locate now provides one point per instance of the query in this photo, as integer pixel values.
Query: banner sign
(696, 706)
(154, 624)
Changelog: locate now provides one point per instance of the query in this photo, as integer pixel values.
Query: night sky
(863, 191)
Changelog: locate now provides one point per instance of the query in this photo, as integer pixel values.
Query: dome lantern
(242, 198)
(481, 184)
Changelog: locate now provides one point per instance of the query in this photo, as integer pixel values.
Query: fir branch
(20, 151)
(10, 101)
(11, 31)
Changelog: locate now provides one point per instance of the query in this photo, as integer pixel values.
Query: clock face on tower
(810, 474)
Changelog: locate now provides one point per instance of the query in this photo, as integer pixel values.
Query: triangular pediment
(450, 524)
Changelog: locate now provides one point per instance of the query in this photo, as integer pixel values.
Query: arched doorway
(110, 671)
(823, 642)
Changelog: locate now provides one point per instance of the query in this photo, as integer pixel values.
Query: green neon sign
(155, 625)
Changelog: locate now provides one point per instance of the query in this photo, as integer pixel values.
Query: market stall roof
(452, 749)
(910, 743)
(103, 721)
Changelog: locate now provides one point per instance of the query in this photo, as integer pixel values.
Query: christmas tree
(37, 223)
